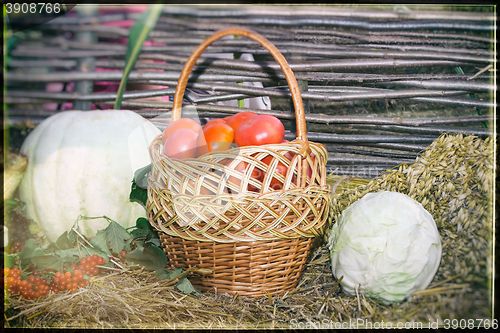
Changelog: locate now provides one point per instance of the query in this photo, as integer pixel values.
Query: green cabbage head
(386, 245)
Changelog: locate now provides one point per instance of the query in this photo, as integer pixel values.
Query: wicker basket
(255, 242)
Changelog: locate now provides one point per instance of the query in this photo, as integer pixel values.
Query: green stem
(138, 34)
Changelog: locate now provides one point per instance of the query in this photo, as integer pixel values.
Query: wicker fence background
(379, 84)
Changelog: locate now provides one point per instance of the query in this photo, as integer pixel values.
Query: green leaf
(138, 194)
(149, 256)
(56, 255)
(138, 34)
(153, 241)
(142, 229)
(67, 240)
(156, 253)
(69, 253)
(88, 251)
(139, 233)
(100, 242)
(55, 260)
(48, 261)
(185, 286)
(164, 274)
(141, 176)
(142, 223)
(30, 249)
(116, 237)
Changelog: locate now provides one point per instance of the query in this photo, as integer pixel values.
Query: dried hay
(453, 179)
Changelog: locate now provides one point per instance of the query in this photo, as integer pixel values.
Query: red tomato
(235, 121)
(218, 135)
(290, 156)
(234, 180)
(216, 121)
(260, 130)
(242, 167)
(281, 169)
(181, 144)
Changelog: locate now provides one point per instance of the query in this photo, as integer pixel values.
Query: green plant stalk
(138, 34)
(241, 103)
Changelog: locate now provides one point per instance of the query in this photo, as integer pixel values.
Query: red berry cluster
(30, 288)
(69, 281)
(88, 265)
(34, 286)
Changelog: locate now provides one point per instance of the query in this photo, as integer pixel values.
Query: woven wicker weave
(212, 214)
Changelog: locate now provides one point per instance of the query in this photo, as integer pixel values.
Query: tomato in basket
(235, 121)
(242, 168)
(309, 174)
(260, 130)
(183, 139)
(180, 123)
(182, 144)
(281, 169)
(218, 135)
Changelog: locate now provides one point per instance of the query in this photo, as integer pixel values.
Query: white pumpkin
(81, 163)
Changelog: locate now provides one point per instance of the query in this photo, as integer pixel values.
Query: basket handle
(280, 59)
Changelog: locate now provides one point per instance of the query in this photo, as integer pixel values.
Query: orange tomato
(218, 135)
(235, 121)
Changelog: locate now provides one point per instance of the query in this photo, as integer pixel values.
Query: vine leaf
(164, 274)
(141, 176)
(116, 237)
(185, 286)
(138, 194)
(149, 256)
(67, 240)
(142, 229)
(100, 242)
